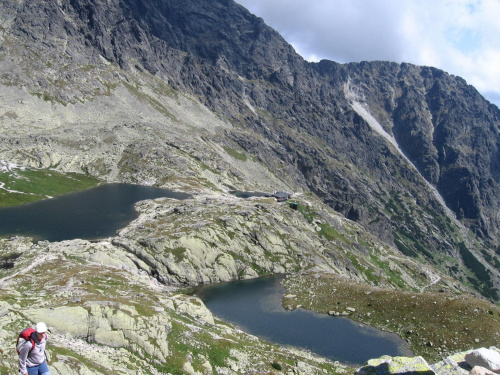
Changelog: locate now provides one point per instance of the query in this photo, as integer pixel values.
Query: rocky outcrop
(429, 113)
(219, 237)
(107, 315)
(396, 365)
(469, 362)
(112, 324)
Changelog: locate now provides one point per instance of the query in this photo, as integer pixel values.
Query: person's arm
(23, 356)
(45, 351)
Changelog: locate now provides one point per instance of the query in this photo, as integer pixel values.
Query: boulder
(387, 365)
(188, 368)
(194, 307)
(487, 358)
(71, 320)
(478, 370)
(110, 338)
(452, 365)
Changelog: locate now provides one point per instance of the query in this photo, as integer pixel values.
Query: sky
(461, 37)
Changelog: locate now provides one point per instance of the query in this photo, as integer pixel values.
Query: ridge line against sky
(461, 37)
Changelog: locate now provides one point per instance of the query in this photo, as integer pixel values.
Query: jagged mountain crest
(292, 116)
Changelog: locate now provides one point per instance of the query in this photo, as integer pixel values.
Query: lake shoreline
(339, 338)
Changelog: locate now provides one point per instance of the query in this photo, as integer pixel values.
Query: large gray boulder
(387, 365)
(487, 358)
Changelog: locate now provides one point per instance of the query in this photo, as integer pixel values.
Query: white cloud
(461, 37)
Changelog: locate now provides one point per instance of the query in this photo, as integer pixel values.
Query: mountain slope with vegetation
(123, 303)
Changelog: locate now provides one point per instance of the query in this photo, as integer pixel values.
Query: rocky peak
(445, 128)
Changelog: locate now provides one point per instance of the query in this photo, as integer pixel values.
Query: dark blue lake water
(249, 194)
(255, 306)
(90, 214)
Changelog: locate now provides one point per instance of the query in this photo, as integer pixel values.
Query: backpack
(25, 335)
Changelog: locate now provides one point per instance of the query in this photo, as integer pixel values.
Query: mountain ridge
(292, 116)
(395, 170)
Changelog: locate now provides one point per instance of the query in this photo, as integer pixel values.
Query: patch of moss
(179, 253)
(276, 366)
(235, 154)
(333, 234)
(307, 212)
(215, 350)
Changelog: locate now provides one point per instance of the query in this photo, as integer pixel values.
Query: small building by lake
(281, 196)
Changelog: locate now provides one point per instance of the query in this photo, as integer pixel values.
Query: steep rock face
(293, 117)
(445, 128)
(426, 107)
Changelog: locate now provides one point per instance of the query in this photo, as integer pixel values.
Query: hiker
(32, 352)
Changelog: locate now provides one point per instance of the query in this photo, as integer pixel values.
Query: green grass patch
(142, 96)
(394, 276)
(162, 88)
(31, 185)
(307, 212)
(327, 230)
(404, 248)
(451, 322)
(235, 154)
(215, 350)
(410, 246)
(179, 253)
(333, 234)
(276, 366)
(482, 280)
(77, 359)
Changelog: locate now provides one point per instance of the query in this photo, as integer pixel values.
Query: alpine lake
(90, 214)
(256, 307)
(253, 305)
